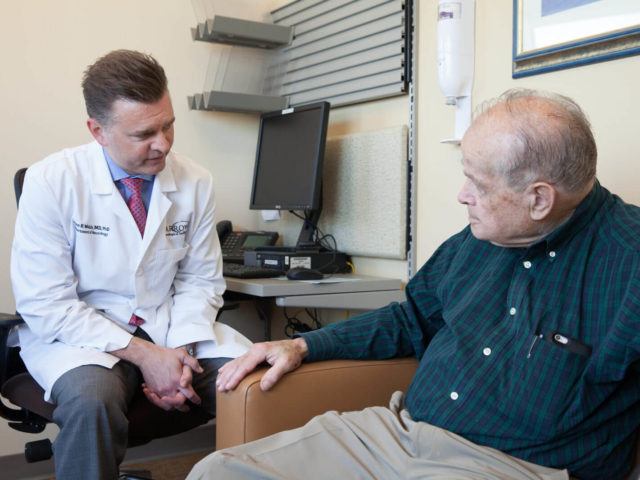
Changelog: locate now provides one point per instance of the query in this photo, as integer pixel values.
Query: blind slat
(357, 10)
(347, 86)
(359, 58)
(347, 24)
(392, 22)
(362, 95)
(292, 12)
(356, 72)
(359, 46)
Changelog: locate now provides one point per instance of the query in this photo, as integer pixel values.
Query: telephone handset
(234, 244)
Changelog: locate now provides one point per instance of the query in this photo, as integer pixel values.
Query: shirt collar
(580, 218)
(118, 173)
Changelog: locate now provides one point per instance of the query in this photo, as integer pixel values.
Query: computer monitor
(289, 159)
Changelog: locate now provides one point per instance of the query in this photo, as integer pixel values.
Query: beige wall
(607, 91)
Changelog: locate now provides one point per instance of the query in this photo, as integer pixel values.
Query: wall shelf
(236, 31)
(235, 102)
(239, 71)
(343, 52)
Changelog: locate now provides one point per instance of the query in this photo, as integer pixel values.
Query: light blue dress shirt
(117, 173)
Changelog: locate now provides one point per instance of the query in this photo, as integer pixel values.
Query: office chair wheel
(38, 450)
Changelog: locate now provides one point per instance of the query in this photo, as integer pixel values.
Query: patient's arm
(283, 356)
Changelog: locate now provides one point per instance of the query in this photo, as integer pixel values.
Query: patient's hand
(283, 356)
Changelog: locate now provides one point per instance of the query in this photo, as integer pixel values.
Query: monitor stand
(307, 252)
(305, 239)
(306, 242)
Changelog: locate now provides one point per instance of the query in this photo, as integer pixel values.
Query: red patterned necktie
(136, 206)
(135, 203)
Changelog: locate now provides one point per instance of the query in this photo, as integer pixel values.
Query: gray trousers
(91, 411)
(375, 443)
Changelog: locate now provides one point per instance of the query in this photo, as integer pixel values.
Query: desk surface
(278, 287)
(355, 292)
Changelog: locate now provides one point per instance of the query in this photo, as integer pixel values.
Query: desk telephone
(235, 243)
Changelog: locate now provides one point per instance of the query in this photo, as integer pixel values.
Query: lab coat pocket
(164, 268)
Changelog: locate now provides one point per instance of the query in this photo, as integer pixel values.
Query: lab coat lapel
(159, 204)
(102, 184)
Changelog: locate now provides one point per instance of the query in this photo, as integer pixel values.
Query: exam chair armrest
(9, 320)
(247, 413)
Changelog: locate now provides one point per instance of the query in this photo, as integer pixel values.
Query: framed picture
(555, 34)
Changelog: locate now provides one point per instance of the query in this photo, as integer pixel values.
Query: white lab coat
(80, 268)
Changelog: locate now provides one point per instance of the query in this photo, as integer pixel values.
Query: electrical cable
(314, 317)
(295, 325)
(321, 239)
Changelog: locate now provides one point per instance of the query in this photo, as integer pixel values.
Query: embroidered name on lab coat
(91, 229)
(177, 228)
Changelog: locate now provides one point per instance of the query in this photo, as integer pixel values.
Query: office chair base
(42, 450)
(135, 475)
(38, 450)
(27, 426)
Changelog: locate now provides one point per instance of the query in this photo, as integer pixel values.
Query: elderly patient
(525, 325)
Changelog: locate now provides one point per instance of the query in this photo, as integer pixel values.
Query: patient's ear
(542, 199)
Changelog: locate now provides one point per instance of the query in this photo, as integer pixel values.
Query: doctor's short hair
(121, 75)
(553, 142)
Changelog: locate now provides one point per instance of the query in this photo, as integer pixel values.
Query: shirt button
(486, 351)
(527, 264)
(552, 254)
(454, 395)
(512, 311)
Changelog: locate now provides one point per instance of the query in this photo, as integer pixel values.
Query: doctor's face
(138, 136)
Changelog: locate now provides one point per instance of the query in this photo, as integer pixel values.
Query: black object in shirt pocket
(567, 343)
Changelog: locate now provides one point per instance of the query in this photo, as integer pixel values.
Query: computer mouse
(300, 273)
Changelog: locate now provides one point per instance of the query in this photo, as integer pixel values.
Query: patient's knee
(216, 465)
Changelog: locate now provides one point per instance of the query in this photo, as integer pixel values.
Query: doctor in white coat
(112, 306)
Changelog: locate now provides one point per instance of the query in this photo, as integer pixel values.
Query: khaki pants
(375, 443)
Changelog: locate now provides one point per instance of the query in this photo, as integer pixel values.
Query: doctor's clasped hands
(167, 373)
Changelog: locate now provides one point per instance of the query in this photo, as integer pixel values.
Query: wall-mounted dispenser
(456, 51)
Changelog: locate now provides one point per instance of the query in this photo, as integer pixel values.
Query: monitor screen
(289, 157)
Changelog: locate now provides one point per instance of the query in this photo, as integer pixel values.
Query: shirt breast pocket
(546, 384)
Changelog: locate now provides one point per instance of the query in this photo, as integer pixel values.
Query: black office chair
(146, 421)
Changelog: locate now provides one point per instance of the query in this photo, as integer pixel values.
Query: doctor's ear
(97, 131)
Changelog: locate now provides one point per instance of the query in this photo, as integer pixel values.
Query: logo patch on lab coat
(89, 229)
(177, 228)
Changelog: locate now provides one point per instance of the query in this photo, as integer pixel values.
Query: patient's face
(497, 213)
(138, 135)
